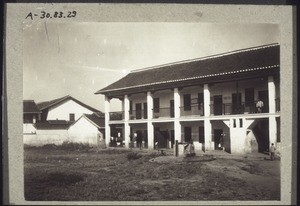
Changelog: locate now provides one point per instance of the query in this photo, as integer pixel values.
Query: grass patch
(125, 175)
(62, 178)
(133, 156)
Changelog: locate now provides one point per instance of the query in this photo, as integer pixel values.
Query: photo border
(15, 13)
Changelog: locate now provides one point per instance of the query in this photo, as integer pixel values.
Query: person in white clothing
(259, 106)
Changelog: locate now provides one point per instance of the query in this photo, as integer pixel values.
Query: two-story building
(211, 101)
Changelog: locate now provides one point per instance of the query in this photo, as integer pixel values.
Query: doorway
(201, 137)
(187, 134)
(218, 133)
(172, 138)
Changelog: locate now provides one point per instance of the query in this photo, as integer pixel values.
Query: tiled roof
(51, 103)
(96, 119)
(256, 59)
(52, 124)
(30, 107)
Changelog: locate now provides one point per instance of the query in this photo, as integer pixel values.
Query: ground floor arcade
(238, 135)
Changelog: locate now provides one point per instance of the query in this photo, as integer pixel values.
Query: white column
(176, 103)
(126, 124)
(272, 94)
(150, 134)
(206, 94)
(207, 134)
(107, 126)
(126, 134)
(177, 130)
(272, 130)
(177, 125)
(207, 123)
(149, 105)
(150, 128)
(126, 108)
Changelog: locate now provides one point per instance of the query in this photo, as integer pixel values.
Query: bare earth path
(108, 175)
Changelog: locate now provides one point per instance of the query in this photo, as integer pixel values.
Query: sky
(79, 59)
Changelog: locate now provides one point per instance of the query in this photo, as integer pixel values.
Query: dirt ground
(124, 175)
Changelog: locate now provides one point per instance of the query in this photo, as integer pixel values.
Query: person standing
(259, 106)
(272, 151)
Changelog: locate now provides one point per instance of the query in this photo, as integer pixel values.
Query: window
(72, 117)
(187, 102)
(156, 105)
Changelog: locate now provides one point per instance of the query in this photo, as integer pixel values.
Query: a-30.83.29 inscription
(50, 15)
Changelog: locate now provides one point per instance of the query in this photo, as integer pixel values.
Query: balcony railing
(138, 114)
(163, 112)
(192, 110)
(227, 109)
(116, 115)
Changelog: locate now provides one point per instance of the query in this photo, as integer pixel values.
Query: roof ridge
(206, 57)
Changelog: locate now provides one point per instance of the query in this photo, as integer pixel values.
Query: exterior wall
(43, 137)
(138, 98)
(28, 128)
(190, 90)
(62, 111)
(85, 132)
(228, 88)
(164, 97)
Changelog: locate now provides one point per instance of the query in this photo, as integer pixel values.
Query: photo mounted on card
(141, 103)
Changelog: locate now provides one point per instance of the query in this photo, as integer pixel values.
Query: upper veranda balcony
(196, 110)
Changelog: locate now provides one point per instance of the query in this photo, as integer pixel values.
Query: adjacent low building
(210, 101)
(88, 129)
(65, 119)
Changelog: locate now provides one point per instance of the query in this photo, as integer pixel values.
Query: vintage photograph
(151, 111)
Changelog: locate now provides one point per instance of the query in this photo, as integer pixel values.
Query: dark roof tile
(240, 61)
(52, 124)
(96, 119)
(30, 107)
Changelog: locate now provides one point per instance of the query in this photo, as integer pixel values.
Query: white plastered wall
(63, 111)
(83, 131)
